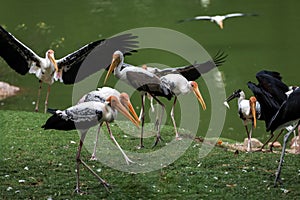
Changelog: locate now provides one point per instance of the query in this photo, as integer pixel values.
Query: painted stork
(67, 69)
(143, 81)
(150, 82)
(100, 94)
(288, 114)
(83, 116)
(180, 85)
(270, 92)
(218, 19)
(249, 111)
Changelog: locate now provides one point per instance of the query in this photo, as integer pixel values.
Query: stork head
(117, 59)
(252, 102)
(50, 56)
(115, 104)
(236, 94)
(125, 101)
(197, 93)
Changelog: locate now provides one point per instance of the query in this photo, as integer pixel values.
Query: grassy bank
(38, 164)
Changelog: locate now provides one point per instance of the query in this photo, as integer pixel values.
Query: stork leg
(261, 148)
(38, 98)
(96, 142)
(142, 109)
(158, 137)
(285, 139)
(156, 118)
(79, 161)
(173, 119)
(272, 145)
(115, 141)
(249, 135)
(143, 121)
(47, 96)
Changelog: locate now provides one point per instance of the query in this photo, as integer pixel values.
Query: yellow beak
(123, 110)
(54, 63)
(253, 109)
(115, 62)
(198, 95)
(132, 111)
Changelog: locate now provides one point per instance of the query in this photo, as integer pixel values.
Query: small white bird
(218, 18)
(249, 111)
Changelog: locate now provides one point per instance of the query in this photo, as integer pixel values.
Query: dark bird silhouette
(270, 92)
(288, 114)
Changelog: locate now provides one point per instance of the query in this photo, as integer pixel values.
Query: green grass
(46, 161)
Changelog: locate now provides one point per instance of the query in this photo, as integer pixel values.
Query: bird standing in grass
(288, 114)
(249, 111)
(99, 95)
(82, 117)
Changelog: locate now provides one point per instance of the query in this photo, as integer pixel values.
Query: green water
(268, 41)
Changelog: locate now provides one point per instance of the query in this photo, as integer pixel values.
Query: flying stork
(249, 111)
(218, 19)
(288, 114)
(83, 116)
(67, 69)
(100, 94)
(151, 83)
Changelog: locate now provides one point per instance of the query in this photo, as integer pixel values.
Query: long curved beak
(114, 63)
(253, 111)
(199, 97)
(123, 110)
(54, 63)
(132, 111)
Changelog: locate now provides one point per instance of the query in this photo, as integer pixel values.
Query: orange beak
(132, 111)
(252, 101)
(114, 63)
(116, 103)
(198, 95)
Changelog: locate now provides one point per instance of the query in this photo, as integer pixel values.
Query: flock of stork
(273, 101)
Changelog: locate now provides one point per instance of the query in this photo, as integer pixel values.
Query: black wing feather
(152, 85)
(57, 123)
(94, 57)
(269, 105)
(193, 72)
(288, 112)
(271, 82)
(17, 55)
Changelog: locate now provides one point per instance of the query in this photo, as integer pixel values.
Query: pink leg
(96, 142)
(173, 120)
(38, 98)
(79, 161)
(115, 141)
(47, 96)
